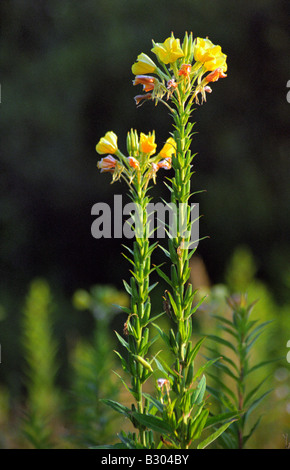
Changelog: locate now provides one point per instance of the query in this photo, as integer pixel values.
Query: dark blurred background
(66, 80)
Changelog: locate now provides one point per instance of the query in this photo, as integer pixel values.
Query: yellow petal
(107, 144)
(169, 51)
(147, 143)
(168, 149)
(143, 65)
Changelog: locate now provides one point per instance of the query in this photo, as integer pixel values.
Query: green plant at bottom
(231, 379)
(40, 354)
(90, 360)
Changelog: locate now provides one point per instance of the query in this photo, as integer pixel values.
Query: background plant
(91, 422)
(40, 354)
(231, 379)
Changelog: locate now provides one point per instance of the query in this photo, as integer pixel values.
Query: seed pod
(144, 363)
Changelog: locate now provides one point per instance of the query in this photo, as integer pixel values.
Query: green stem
(180, 196)
(140, 303)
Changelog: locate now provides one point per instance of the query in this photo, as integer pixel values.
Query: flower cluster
(142, 160)
(182, 69)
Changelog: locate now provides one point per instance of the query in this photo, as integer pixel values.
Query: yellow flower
(147, 143)
(168, 51)
(209, 55)
(143, 65)
(107, 144)
(168, 149)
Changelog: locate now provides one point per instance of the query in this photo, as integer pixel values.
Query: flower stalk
(138, 169)
(184, 406)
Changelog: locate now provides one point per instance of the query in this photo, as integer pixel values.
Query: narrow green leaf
(222, 386)
(199, 392)
(214, 436)
(195, 350)
(153, 422)
(258, 327)
(163, 275)
(253, 392)
(163, 335)
(122, 341)
(204, 367)
(154, 401)
(117, 407)
(127, 287)
(252, 430)
(165, 251)
(152, 286)
(256, 403)
(220, 418)
(262, 364)
(198, 424)
(222, 341)
(152, 319)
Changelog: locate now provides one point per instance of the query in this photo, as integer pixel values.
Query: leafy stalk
(137, 170)
(235, 367)
(182, 401)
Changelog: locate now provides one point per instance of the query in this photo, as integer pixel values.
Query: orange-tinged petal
(147, 143)
(185, 70)
(147, 81)
(215, 75)
(165, 164)
(139, 98)
(107, 164)
(133, 162)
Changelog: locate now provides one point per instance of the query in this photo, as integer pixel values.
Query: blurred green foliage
(240, 280)
(92, 364)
